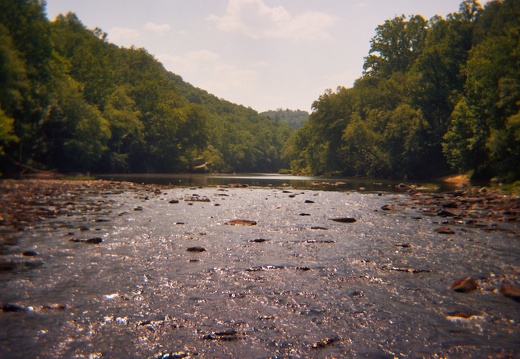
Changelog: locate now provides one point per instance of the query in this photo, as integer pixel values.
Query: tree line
(72, 101)
(435, 96)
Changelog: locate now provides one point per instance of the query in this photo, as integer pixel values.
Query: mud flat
(101, 269)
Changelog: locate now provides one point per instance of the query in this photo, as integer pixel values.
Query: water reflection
(277, 180)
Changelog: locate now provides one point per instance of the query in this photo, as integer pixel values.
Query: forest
(71, 101)
(437, 96)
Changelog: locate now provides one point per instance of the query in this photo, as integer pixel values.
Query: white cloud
(123, 36)
(255, 19)
(161, 29)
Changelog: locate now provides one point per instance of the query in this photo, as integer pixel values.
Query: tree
(396, 45)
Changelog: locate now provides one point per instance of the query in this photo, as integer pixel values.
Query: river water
(172, 279)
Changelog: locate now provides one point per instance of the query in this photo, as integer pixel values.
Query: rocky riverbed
(99, 269)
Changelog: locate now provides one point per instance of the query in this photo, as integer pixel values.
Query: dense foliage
(295, 119)
(435, 96)
(72, 101)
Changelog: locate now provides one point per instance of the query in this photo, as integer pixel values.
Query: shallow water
(315, 288)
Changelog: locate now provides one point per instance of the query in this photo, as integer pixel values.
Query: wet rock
(94, 240)
(459, 314)
(196, 198)
(323, 343)
(510, 291)
(445, 230)
(101, 220)
(7, 266)
(196, 249)
(258, 240)
(309, 201)
(304, 214)
(174, 201)
(449, 213)
(241, 222)
(344, 220)
(33, 264)
(54, 306)
(226, 335)
(404, 245)
(450, 205)
(464, 285)
(29, 253)
(303, 268)
(357, 293)
(13, 308)
(175, 355)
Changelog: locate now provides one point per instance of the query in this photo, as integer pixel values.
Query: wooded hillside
(436, 96)
(72, 101)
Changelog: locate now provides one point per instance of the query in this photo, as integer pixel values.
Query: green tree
(396, 45)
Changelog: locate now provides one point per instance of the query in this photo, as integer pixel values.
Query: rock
(9, 307)
(303, 268)
(29, 253)
(259, 240)
(174, 201)
(241, 222)
(449, 213)
(304, 214)
(309, 201)
(450, 205)
(404, 245)
(510, 291)
(196, 249)
(344, 220)
(464, 285)
(196, 198)
(320, 228)
(459, 314)
(226, 335)
(445, 230)
(324, 343)
(138, 208)
(7, 266)
(388, 207)
(95, 240)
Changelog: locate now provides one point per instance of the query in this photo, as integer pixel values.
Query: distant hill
(295, 119)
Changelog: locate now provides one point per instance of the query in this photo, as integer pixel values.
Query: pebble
(196, 249)
(445, 230)
(464, 285)
(510, 291)
(344, 220)
(241, 222)
(30, 253)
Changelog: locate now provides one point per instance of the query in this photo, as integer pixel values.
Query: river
(173, 277)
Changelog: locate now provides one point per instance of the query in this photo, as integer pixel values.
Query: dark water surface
(274, 179)
(313, 288)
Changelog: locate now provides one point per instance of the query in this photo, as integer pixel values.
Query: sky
(263, 54)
